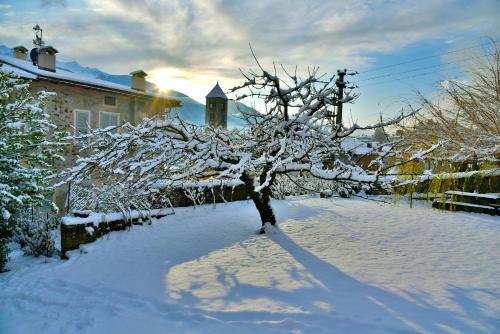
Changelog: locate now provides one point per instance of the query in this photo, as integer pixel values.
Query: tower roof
(217, 92)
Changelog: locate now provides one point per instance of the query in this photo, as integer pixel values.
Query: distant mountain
(5, 51)
(191, 110)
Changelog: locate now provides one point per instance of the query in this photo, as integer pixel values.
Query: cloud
(210, 37)
(215, 34)
(48, 3)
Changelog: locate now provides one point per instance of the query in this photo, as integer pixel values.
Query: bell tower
(216, 108)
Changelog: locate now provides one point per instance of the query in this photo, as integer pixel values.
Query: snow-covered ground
(335, 266)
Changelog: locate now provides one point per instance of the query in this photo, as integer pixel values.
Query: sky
(189, 45)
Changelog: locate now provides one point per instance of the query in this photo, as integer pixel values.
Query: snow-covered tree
(465, 117)
(294, 133)
(25, 153)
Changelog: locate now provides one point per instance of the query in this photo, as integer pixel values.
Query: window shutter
(82, 121)
(108, 119)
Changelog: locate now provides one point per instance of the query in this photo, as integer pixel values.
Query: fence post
(69, 198)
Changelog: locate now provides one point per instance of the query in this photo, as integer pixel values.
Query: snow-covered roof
(217, 92)
(49, 49)
(23, 74)
(20, 48)
(139, 73)
(27, 70)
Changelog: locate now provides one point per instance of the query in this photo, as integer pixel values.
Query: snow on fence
(84, 226)
(469, 202)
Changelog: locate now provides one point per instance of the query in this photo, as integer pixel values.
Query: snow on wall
(82, 230)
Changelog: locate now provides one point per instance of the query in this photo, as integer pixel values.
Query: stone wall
(84, 227)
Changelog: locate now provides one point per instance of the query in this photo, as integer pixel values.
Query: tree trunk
(262, 201)
(263, 205)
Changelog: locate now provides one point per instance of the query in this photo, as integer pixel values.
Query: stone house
(83, 102)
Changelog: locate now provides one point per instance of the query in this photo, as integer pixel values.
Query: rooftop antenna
(38, 42)
(38, 36)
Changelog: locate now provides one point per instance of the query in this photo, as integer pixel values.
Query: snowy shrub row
(106, 198)
(301, 184)
(113, 198)
(305, 184)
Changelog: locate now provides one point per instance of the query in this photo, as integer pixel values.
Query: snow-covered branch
(294, 134)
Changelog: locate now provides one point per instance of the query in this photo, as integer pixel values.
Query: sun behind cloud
(194, 82)
(165, 78)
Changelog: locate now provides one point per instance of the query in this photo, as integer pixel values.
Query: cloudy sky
(188, 45)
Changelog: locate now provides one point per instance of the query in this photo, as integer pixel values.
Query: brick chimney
(139, 80)
(19, 52)
(47, 58)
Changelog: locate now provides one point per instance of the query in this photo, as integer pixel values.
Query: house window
(110, 101)
(107, 119)
(82, 121)
(211, 106)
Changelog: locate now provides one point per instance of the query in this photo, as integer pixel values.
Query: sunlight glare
(165, 78)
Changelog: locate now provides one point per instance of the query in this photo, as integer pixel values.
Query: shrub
(34, 233)
(27, 152)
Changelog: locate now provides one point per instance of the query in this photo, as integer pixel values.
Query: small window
(107, 119)
(82, 121)
(110, 101)
(211, 106)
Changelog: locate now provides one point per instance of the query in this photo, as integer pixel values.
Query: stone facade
(216, 112)
(131, 108)
(72, 98)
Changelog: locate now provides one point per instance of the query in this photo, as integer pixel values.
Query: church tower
(216, 108)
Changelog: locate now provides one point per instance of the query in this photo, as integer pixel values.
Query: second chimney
(139, 80)
(47, 58)
(19, 52)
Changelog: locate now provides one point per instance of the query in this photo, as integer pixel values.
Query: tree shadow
(355, 297)
(329, 297)
(332, 301)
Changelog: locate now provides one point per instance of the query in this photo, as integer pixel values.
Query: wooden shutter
(82, 121)
(109, 119)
